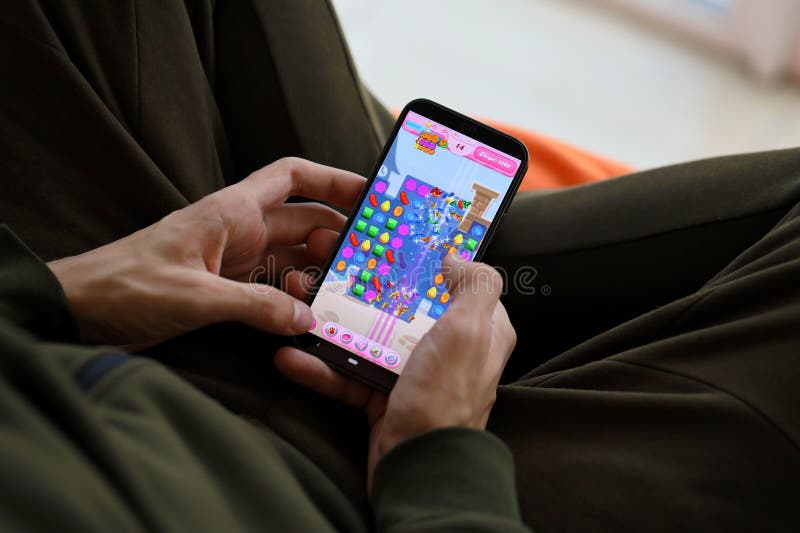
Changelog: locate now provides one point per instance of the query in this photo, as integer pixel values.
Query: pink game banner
(432, 136)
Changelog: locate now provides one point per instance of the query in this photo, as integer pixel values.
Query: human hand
(194, 267)
(451, 377)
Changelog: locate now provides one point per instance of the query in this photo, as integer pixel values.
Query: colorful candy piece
(373, 200)
(347, 252)
(410, 184)
(423, 190)
(404, 197)
(378, 250)
(445, 297)
(340, 266)
(358, 289)
(371, 263)
(367, 212)
(359, 257)
(369, 296)
(366, 245)
(384, 238)
(471, 244)
(452, 250)
(385, 206)
(383, 269)
(403, 229)
(431, 292)
(361, 225)
(396, 243)
(379, 218)
(437, 192)
(380, 186)
(398, 210)
(390, 256)
(377, 284)
(391, 223)
(373, 231)
(437, 310)
(458, 239)
(353, 239)
(438, 278)
(364, 276)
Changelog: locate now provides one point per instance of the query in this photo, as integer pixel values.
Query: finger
(275, 263)
(292, 176)
(309, 371)
(506, 339)
(474, 287)
(260, 306)
(321, 243)
(298, 284)
(292, 224)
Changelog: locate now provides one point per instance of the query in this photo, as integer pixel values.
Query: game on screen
(436, 193)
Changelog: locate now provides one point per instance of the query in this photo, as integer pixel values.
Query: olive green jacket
(94, 439)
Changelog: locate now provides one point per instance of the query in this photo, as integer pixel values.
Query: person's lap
(683, 414)
(649, 391)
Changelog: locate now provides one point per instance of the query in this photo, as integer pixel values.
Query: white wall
(570, 69)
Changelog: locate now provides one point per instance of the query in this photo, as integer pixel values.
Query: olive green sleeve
(453, 479)
(30, 295)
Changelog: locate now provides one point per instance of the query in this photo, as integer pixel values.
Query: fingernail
(302, 317)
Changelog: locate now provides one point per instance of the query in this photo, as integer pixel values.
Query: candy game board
(398, 241)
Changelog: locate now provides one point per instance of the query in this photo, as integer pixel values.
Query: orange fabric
(555, 163)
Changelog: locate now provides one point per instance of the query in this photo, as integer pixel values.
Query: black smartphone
(441, 186)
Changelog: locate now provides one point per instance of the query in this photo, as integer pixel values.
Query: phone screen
(436, 193)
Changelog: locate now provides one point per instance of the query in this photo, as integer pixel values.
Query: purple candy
(410, 184)
(383, 269)
(396, 243)
(369, 295)
(402, 229)
(347, 252)
(423, 190)
(465, 255)
(380, 187)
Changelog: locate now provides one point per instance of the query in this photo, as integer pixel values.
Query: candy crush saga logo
(427, 142)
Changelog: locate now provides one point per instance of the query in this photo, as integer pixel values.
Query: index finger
(292, 176)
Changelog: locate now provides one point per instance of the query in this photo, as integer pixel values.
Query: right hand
(450, 379)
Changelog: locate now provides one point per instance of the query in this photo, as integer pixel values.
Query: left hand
(194, 267)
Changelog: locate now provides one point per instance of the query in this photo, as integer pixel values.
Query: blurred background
(647, 82)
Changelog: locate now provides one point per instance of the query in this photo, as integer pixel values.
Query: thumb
(260, 306)
(473, 286)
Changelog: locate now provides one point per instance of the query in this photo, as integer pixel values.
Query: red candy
(390, 256)
(373, 200)
(353, 239)
(376, 283)
(404, 198)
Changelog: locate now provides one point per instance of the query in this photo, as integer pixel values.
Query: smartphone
(441, 186)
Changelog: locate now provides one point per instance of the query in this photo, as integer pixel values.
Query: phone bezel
(364, 370)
